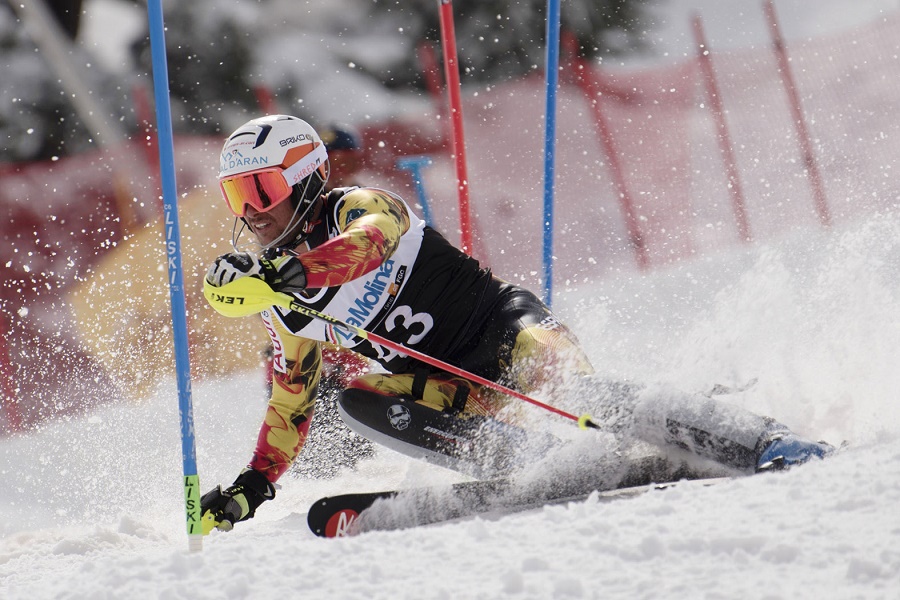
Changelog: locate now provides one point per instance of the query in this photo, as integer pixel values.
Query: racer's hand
(221, 509)
(235, 265)
(288, 276)
(283, 274)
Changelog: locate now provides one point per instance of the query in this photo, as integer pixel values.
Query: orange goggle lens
(263, 190)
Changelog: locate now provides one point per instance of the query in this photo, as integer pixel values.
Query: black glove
(283, 274)
(223, 508)
(289, 275)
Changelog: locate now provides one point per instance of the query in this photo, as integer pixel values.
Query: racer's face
(268, 226)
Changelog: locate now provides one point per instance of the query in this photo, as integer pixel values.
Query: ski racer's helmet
(269, 160)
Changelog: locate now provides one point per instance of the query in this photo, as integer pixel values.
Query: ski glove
(223, 508)
(283, 274)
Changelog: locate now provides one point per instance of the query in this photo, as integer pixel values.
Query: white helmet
(268, 160)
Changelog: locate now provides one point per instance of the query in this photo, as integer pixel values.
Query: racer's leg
(525, 346)
(438, 417)
(724, 432)
(703, 425)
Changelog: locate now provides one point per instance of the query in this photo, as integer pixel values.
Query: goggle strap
(306, 166)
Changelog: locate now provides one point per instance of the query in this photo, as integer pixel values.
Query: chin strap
(271, 252)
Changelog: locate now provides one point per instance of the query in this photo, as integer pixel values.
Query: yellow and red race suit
(375, 265)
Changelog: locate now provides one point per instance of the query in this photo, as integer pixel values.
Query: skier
(362, 256)
(345, 155)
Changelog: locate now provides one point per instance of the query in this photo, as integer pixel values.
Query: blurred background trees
(504, 39)
(219, 53)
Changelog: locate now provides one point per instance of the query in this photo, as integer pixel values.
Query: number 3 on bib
(417, 325)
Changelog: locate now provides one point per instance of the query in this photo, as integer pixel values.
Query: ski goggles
(264, 189)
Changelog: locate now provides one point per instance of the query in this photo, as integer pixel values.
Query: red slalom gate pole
(790, 87)
(724, 137)
(457, 140)
(431, 71)
(591, 90)
(8, 389)
(266, 99)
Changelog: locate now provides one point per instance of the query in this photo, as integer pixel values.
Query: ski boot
(785, 449)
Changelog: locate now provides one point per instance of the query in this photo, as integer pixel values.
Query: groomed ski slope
(91, 508)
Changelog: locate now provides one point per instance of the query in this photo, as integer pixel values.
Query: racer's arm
(283, 431)
(371, 222)
(281, 437)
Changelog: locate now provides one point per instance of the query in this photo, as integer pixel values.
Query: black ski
(337, 516)
(349, 514)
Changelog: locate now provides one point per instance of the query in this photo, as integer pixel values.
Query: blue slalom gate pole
(176, 278)
(552, 75)
(415, 165)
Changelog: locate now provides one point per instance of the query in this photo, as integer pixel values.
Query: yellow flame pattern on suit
(438, 394)
(543, 356)
(291, 406)
(371, 223)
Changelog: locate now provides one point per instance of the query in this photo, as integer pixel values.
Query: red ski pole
(249, 295)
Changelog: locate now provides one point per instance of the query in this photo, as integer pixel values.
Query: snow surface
(92, 505)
